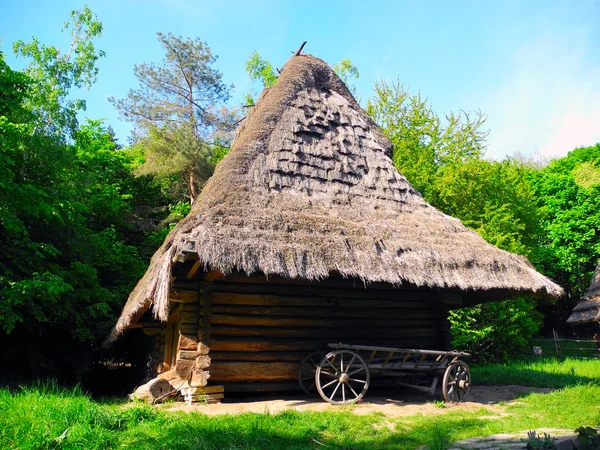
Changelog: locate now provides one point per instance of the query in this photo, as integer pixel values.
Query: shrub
(495, 331)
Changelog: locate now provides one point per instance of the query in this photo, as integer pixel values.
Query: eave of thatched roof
(308, 188)
(588, 309)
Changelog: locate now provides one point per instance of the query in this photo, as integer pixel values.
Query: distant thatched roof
(307, 189)
(588, 309)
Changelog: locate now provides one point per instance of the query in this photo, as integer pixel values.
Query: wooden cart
(343, 375)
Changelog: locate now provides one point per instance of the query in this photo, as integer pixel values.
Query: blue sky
(532, 66)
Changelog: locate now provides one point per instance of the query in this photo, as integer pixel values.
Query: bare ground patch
(388, 402)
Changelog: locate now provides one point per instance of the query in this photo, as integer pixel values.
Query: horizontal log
(318, 290)
(323, 311)
(189, 317)
(183, 296)
(333, 282)
(281, 386)
(334, 333)
(245, 356)
(280, 321)
(190, 307)
(203, 390)
(188, 329)
(307, 346)
(415, 300)
(248, 345)
(252, 371)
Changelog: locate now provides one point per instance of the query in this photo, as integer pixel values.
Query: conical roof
(588, 309)
(308, 189)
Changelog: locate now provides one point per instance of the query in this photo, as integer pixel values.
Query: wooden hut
(307, 234)
(588, 309)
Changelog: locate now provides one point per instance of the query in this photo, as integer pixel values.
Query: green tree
(423, 142)
(176, 110)
(347, 71)
(568, 195)
(69, 214)
(443, 159)
(56, 72)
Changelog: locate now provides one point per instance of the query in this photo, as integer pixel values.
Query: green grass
(540, 372)
(48, 417)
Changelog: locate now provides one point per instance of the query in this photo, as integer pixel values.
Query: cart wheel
(456, 382)
(342, 377)
(306, 373)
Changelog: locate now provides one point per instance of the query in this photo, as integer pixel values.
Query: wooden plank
(312, 290)
(258, 356)
(183, 296)
(138, 315)
(281, 386)
(280, 321)
(323, 311)
(418, 300)
(331, 282)
(193, 270)
(190, 307)
(249, 345)
(333, 333)
(189, 317)
(213, 275)
(252, 371)
(189, 329)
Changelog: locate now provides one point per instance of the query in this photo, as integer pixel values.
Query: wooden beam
(253, 371)
(193, 270)
(182, 296)
(138, 315)
(213, 275)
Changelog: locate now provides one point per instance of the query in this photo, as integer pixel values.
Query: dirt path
(390, 403)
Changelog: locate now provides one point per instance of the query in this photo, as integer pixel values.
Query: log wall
(258, 331)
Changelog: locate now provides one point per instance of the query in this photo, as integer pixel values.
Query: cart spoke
(332, 366)
(357, 380)
(350, 363)
(353, 391)
(329, 374)
(334, 391)
(344, 392)
(329, 384)
(360, 369)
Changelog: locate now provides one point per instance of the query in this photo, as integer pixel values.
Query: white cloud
(550, 100)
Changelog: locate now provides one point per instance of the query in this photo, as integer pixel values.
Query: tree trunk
(192, 186)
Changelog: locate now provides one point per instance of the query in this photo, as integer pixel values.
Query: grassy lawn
(540, 372)
(47, 417)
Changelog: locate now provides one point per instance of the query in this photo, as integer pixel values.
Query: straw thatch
(307, 189)
(588, 309)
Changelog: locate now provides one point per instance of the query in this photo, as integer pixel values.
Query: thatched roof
(588, 309)
(308, 189)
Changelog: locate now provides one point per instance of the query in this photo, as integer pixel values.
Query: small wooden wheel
(456, 382)
(306, 373)
(342, 377)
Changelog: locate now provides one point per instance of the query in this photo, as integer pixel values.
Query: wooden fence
(572, 348)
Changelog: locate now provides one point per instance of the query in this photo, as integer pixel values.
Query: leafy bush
(495, 331)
